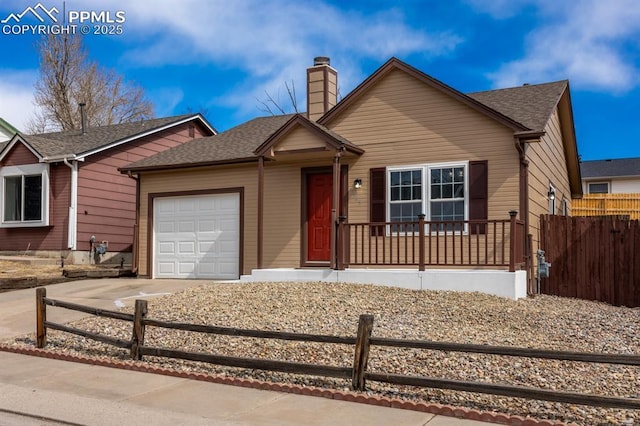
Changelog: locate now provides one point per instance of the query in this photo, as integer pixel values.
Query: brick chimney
(322, 87)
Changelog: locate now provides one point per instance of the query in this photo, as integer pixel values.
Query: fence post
(421, 217)
(365, 325)
(512, 241)
(41, 317)
(137, 340)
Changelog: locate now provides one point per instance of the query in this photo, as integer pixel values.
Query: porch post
(334, 210)
(342, 252)
(512, 241)
(260, 209)
(421, 217)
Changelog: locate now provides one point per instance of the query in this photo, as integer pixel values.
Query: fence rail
(361, 343)
(465, 243)
(607, 205)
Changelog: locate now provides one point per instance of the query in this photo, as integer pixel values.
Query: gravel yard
(543, 322)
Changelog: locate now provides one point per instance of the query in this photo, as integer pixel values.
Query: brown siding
(18, 155)
(106, 198)
(245, 176)
(297, 139)
(282, 206)
(547, 164)
(401, 121)
(283, 211)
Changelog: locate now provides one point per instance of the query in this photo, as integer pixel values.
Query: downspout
(524, 183)
(136, 230)
(73, 204)
(260, 243)
(524, 205)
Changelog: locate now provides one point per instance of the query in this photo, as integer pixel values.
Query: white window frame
(598, 183)
(26, 170)
(426, 191)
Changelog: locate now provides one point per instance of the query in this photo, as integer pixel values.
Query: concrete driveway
(17, 308)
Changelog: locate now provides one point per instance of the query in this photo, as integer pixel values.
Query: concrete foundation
(512, 285)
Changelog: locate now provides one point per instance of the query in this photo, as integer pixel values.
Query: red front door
(319, 194)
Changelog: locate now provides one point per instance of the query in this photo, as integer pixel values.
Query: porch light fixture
(357, 184)
(552, 194)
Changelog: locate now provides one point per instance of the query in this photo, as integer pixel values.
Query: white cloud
(16, 96)
(270, 41)
(165, 99)
(593, 43)
(500, 9)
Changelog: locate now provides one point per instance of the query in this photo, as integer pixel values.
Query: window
(565, 207)
(405, 203)
(24, 195)
(444, 198)
(598, 188)
(447, 195)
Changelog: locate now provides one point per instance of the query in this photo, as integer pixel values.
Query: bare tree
(274, 106)
(68, 77)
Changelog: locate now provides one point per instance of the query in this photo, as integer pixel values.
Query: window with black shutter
(444, 192)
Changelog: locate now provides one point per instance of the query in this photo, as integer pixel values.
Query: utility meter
(543, 265)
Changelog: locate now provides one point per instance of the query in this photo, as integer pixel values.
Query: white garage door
(197, 236)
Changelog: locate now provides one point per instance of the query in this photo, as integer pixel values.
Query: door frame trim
(344, 197)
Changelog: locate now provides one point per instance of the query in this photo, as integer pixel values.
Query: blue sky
(220, 57)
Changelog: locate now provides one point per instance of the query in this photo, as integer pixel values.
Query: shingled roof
(621, 167)
(530, 105)
(234, 145)
(522, 108)
(74, 142)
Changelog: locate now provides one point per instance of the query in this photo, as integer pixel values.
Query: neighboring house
(617, 176)
(335, 194)
(611, 187)
(6, 130)
(61, 193)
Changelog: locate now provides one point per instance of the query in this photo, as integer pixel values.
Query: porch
(475, 255)
(488, 244)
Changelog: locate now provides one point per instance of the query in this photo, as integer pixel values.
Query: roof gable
(7, 147)
(330, 138)
(396, 64)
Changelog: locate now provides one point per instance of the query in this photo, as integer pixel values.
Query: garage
(197, 236)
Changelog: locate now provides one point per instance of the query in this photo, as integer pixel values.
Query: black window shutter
(478, 194)
(377, 198)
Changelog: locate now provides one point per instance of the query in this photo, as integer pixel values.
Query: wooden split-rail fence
(357, 373)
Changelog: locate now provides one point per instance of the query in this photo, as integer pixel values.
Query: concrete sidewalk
(92, 395)
(61, 392)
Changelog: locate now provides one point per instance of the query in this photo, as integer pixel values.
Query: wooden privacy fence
(465, 243)
(607, 205)
(357, 372)
(592, 258)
